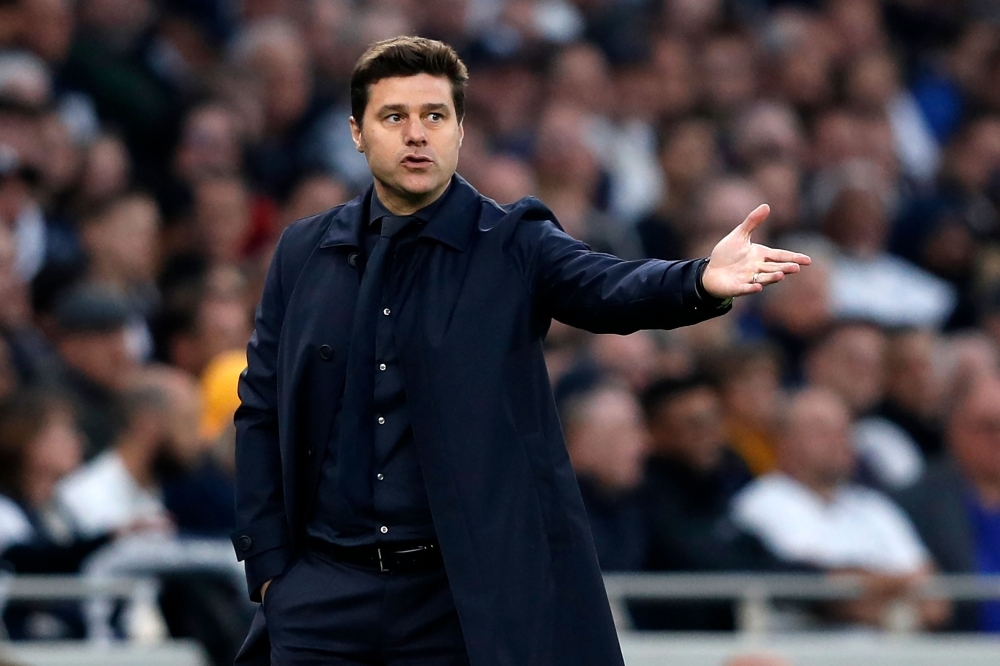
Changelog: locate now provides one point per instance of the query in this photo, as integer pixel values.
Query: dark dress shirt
(402, 512)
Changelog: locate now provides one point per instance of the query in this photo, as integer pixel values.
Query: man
(691, 476)
(403, 490)
(93, 339)
(122, 488)
(808, 511)
(955, 506)
(850, 360)
(607, 441)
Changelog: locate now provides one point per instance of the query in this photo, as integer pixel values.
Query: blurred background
(841, 430)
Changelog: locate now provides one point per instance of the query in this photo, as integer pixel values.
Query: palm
(738, 266)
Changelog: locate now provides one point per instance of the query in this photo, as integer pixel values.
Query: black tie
(355, 466)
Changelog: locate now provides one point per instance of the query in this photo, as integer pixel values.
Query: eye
(394, 117)
(435, 117)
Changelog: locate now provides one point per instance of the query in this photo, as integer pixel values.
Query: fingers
(747, 289)
(759, 281)
(754, 219)
(785, 256)
(773, 267)
(769, 278)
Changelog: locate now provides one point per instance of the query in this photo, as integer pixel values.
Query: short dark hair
(664, 391)
(407, 56)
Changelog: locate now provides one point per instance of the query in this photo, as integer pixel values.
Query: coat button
(244, 543)
(326, 352)
(383, 529)
(310, 451)
(352, 259)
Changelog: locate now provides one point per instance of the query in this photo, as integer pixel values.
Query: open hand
(739, 267)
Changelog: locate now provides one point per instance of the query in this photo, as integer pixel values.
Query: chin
(418, 187)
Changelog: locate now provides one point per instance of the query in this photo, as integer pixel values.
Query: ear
(461, 134)
(359, 142)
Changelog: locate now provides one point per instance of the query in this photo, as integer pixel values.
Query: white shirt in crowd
(15, 527)
(858, 528)
(102, 497)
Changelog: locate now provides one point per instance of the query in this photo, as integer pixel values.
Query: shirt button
(381, 420)
(381, 366)
(380, 476)
(384, 529)
(386, 312)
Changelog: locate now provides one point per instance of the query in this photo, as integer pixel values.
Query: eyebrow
(403, 108)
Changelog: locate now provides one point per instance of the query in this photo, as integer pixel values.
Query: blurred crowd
(846, 422)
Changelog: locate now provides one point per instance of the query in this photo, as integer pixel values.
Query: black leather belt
(387, 558)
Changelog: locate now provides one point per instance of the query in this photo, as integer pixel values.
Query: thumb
(754, 219)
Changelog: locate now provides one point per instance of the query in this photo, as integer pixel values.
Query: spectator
(222, 218)
(275, 50)
(92, 340)
(39, 445)
(795, 315)
(606, 441)
(866, 281)
(30, 355)
(956, 505)
(809, 511)
(121, 487)
(850, 361)
(120, 240)
(749, 379)
(193, 334)
(914, 394)
(691, 476)
(689, 157)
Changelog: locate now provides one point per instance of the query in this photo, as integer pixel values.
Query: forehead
(416, 90)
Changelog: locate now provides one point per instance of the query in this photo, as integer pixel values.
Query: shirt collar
(377, 209)
(452, 225)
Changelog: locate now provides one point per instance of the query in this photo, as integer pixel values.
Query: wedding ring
(754, 280)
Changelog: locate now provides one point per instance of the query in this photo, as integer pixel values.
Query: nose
(415, 134)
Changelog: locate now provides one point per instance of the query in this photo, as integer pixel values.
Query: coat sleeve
(602, 293)
(262, 538)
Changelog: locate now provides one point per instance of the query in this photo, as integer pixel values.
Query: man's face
(817, 445)
(410, 135)
(103, 357)
(974, 433)
(689, 428)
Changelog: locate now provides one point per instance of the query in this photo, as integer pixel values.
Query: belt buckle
(381, 563)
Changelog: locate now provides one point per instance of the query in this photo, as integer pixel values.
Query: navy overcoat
(470, 319)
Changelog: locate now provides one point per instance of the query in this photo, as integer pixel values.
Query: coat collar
(452, 224)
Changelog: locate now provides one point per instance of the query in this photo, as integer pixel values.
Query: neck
(137, 461)
(988, 492)
(825, 488)
(405, 203)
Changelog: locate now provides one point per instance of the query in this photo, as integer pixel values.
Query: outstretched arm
(739, 267)
(604, 294)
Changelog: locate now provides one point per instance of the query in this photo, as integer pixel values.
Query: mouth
(417, 161)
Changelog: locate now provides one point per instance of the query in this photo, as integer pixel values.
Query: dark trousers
(325, 612)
